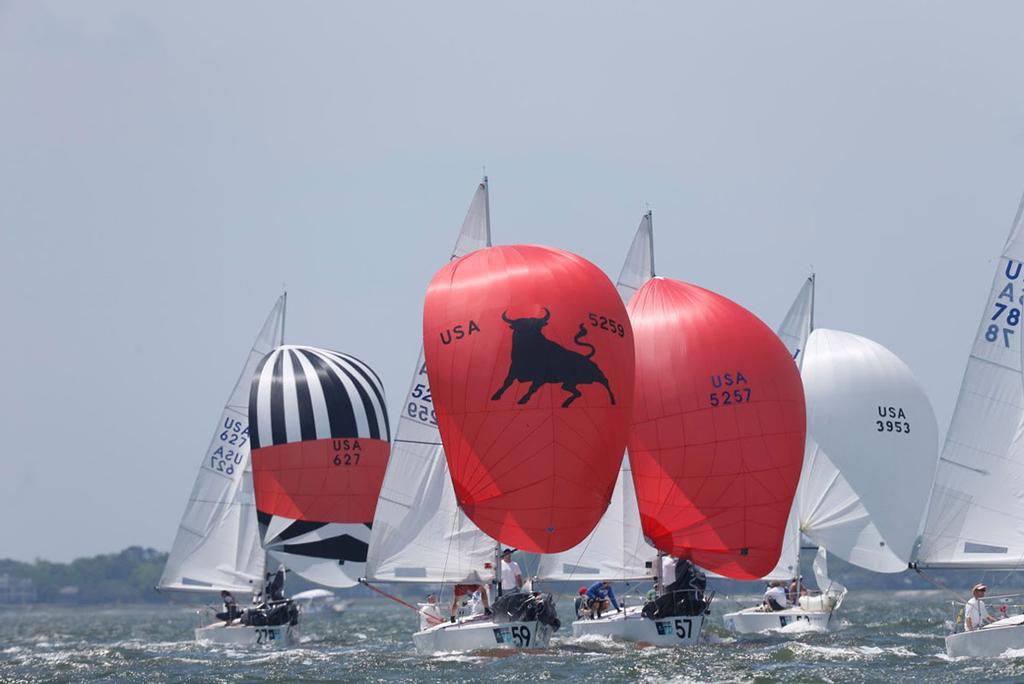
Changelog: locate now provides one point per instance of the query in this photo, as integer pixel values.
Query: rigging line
(936, 583)
(430, 618)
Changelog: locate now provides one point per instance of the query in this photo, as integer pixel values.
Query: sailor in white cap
(511, 575)
(975, 614)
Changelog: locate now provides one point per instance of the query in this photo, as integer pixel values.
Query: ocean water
(880, 637)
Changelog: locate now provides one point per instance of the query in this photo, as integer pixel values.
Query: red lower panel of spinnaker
(326, 480)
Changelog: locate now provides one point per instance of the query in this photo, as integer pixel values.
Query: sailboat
(420, 534)
(636, 559)
(866, 414)
(976, 514)
(217, 546)
(616, 549)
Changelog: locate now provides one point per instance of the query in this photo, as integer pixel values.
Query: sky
(167, 169)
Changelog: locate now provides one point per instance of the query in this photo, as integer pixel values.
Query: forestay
(616, 548)
(217, 546)
(872, 419)
(976, 512)
(419, 532)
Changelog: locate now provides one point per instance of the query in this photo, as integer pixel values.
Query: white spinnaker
(419, 532)
(976, 513)
(826, 584)
(615, 549)
(217, 546)
(793, 332)
(871, 451)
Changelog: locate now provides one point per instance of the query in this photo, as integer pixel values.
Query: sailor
(466, 590)
(580, 603)
(775, 596)
(231, 610)
(430, 613)
(600, 595)
(274, 590)
(511, 576)
(975, 614)
(797, 588)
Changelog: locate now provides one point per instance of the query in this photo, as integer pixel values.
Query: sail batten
(217, 545)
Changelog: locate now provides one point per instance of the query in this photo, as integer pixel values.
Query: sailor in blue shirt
(600, 593)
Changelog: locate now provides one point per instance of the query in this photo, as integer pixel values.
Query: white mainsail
(976, 512)
(869, 422)
(419, 532)
(217, 546)
(795, 329)
(615, 549)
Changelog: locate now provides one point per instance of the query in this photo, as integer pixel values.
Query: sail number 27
(1006, 312)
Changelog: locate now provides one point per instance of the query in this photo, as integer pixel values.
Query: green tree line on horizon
(124, 577)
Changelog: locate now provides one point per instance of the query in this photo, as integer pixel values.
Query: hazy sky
(165, 168)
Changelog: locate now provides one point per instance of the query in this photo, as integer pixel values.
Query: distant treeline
(125, 577)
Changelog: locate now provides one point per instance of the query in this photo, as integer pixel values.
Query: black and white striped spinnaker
(320, 443)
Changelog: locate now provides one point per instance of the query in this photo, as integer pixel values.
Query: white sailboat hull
(754, 620)
(630, 625)
(247, 635)
(989, 641)
(474, 635)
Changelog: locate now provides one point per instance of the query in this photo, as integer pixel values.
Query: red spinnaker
(529, 352)
(718, 429)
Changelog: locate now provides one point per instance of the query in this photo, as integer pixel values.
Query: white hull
(754, 620)
(481, 635)
(632, 626)
(246, 635)
(989, 641)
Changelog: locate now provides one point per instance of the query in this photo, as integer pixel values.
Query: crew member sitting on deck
(579, 604)
(465, 590)
(975, 614)
(231, 610)
(775, 597)
(600, 594)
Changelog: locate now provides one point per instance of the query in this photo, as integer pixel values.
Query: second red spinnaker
(718, 429)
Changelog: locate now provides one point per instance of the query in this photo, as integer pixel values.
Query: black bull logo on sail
(538, 361)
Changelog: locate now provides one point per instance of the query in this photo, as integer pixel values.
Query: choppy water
(881, 638)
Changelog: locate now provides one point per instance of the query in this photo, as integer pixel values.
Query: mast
(487, 207)
(659, 574)
(284, 313)
(812, 304)
(650, 220)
